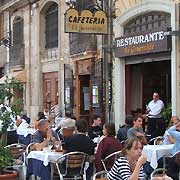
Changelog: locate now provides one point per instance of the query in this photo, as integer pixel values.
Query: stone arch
(144, 7)
(42, 14)
(119, 65)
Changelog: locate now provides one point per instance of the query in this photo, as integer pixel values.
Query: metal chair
(68, 131)
(72, 165)
(157, 140)
(158, 172)
(29, 148)
(18, 152)
(111, 158)
(102, 175)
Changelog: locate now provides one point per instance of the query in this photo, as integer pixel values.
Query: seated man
(67, 121)
(44, 135)
(95, 129)
(136, 132)
(122, 132)
(80, 142)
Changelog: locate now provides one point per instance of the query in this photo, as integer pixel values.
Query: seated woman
(40, 116)
(168, 139)
(108, 145)
(21, 125)
(130, 166)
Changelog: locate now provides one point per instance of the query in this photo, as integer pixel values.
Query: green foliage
(6, 118)
(6, 89)
(167, 113)
(7, 97)
(17, 106)
(6, 158)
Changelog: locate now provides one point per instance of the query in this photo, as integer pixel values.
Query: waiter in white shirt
(156, 123)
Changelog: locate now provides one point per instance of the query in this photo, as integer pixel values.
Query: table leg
(52, 170)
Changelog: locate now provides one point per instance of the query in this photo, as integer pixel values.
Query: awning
(19, 75)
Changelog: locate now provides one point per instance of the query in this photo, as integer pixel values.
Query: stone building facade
(38, 51)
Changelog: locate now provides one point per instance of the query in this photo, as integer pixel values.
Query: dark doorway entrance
(145, 78)
(84, 96)
(156, 78)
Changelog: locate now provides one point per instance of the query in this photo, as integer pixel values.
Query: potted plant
(6, 159)
(167, 113)
(10, 106)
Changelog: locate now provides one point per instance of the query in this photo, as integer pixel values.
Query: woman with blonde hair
(130, 165)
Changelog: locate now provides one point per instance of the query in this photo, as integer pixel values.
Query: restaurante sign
(141, 44)
(85, 22)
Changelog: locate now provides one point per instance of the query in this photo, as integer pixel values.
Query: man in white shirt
(67, 121)
(156, 123)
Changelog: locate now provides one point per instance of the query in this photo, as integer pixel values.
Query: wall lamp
(70, 3)
(5, 42)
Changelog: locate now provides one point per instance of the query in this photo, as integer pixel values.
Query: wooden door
(50, 89)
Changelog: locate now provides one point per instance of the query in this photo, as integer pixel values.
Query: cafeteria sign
(85, 22)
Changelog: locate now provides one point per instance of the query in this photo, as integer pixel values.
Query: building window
(18, 33)
(51, 26)
(17, 48)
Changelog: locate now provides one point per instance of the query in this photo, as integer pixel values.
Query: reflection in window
(67, 95)
(95, 96)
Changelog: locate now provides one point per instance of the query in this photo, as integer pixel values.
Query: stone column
(175, 63)
(35, 65)
(119, 91)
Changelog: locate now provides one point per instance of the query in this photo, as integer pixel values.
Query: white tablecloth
(26, 131)
(46, 157)
(155, 152)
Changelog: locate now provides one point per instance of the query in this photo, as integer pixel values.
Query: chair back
(109, 160)
(159, 172)
(69, 131)
(17, 150)
(73, 164)
(29, 148)
(102, 175)
(158, 140)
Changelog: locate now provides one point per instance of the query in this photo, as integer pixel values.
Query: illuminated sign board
(85, 22)
(142, 43)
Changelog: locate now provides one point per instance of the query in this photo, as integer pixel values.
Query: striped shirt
(121, 170)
